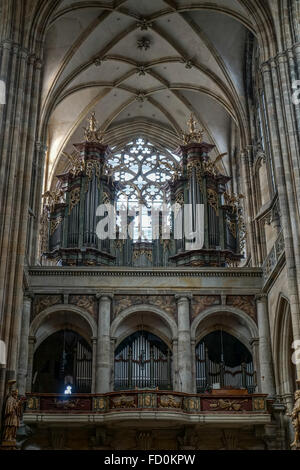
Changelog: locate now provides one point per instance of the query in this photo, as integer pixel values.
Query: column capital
(94, 339)
(183, 297)
(32, 339)
(28, 296)
(254, 341)
(261, 297)
(108, 295)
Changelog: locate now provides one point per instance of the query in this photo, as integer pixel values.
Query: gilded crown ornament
(194, 133)
(92, 133)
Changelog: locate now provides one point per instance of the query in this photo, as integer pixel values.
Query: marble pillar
(24, 345)
(185, 382)
(31, 346)
(265, 353)
(103, 361)
(94, 363)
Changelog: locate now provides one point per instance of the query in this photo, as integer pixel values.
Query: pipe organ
(70, 216)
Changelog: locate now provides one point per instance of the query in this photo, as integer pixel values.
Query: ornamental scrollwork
(227, 405)
(74, 198)
(54, 224)
(91, 167)
(51, 198)
(170, 401)
(138, 253)
(212, 199)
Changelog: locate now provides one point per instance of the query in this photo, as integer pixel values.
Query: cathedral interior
(124, 334)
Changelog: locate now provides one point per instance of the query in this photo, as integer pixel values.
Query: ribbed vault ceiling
(194, 62)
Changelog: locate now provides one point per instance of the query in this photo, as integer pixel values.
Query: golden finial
(194, 133)
(92, 133)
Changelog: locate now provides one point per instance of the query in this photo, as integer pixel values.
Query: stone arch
(42, 317)
(143, 308)
(238, 314)
(282, 350)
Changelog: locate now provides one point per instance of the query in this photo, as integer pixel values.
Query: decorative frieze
(243, 302)
(147, 399)
(87, 302)
(41, 302)
(201, 302)
(164, 302)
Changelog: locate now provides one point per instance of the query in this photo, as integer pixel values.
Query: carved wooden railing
(233, 401)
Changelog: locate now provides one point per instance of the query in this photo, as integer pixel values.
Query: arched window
(222, 361)
(63, 360)
(142, 360)
(143, 171)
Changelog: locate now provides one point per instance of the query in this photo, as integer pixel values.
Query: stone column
(285, 188)
(31, 343)
(265, 353)
(193, 351)
(255, 354)
(112, 363)
(24, 345)
(103, 365)
(184, 344)
(94, 361)
(175, 381)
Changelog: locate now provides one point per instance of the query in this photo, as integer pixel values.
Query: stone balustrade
(273, 258)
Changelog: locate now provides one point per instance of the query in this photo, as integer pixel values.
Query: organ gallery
(149, 284)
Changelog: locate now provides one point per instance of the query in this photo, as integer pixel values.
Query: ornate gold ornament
(198, 169)
(227, 405)
(194, 133)
(92, 133)
(212, 199)
(169, 401)
(54, 224)
(74, 198)
(76, 162)
(179, 198)
(138, 253)
(259, 404)
(124, 402)
(33, 403)
(105, 198)
(67, 404)
(51, 198)
(99, 404)
(232, 227)
(92, 166)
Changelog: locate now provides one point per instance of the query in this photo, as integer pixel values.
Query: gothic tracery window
(143, 171)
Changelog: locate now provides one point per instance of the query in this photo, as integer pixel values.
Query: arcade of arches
(142, 105)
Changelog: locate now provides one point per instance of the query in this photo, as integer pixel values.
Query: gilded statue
(296, 420)
(12, 415)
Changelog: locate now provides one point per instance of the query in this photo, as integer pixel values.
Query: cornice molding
(107, 272)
